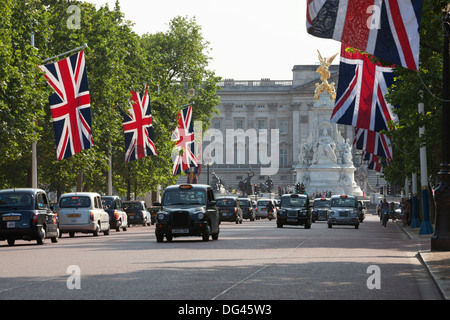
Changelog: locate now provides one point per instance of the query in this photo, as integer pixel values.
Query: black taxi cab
(343, 211)
(187, 210)
(294, 210)
(26, 214)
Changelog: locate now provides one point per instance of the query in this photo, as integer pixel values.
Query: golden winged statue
(324, 76)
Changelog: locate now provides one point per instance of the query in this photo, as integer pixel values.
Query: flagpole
(34, 142)
(426, 227)
(70, 51)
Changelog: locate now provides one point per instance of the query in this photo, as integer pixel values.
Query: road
(252, 261)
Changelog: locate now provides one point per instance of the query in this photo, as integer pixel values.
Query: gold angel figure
(324, 76)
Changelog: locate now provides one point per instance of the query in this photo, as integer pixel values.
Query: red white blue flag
(387, 29)
(70, 105)
(184, 137)
(360, 94)
(373, 142)
(138, 128)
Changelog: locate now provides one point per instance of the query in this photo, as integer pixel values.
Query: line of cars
(27, 214)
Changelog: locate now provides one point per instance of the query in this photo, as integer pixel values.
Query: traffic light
(256, 189)
(297, 188)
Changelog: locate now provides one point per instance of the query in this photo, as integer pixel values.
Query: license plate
(11, 218)
(11, 224)
(264, 209)
(131, 217)
(292, 220)
(180, 230)
(74, 215)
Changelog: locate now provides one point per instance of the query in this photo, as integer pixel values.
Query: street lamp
(208, 163)
(440, 241)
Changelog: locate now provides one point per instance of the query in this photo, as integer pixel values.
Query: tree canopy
(174, 64)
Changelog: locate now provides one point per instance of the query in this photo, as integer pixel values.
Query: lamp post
(208, 163)
(440, 241)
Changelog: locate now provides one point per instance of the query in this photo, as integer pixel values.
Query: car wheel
(58, 234)
(41, 236)
(11, 242)
(205, 235)
(97, 228)
(279, 225)
(106, 233)
(159, 238)
(71, 234)
(330, 225)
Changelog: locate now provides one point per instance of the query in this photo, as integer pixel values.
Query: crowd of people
(386, 210)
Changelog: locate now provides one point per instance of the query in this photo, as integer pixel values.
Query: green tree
(410, 89)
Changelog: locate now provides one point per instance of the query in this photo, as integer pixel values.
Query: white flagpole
(33, 145)
(70, 51)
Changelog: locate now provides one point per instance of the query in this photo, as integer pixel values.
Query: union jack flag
(70, 105)
(374, 162)
(184, 135)
(388, 29)
(360, 98)
(373, 142)
(138, 129)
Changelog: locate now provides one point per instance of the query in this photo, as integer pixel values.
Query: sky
(249, 39)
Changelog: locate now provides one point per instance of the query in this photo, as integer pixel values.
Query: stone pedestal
(325, 158)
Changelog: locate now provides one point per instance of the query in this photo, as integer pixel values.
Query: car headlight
(200, 215)
(161, 216)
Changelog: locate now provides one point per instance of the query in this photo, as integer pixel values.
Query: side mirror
(158, 204)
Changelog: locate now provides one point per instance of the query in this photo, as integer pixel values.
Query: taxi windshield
(244, 203)
(322, 203)
(16, 200)
(75, 202)
(293, 202)
(343, 202)
(225, 202)
(133, 205)
(180, 197)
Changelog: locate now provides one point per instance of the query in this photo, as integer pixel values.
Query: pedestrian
(405, 212)
(392, 210)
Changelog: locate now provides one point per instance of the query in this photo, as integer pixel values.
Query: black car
(137, 212)
(229, 209)
(117, 216)
(187, 210)
(26, 214)
(248, 209)
(294, 210)
(321, 209)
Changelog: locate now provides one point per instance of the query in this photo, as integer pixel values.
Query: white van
(82, 212)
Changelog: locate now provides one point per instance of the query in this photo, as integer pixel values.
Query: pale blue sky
(250, 39)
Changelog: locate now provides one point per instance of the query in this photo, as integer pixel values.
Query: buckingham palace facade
(272, 117)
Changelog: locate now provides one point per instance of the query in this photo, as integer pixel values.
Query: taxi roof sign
(185, 186)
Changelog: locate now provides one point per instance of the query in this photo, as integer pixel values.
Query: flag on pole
(138, 128)
(70, 105)
(373, 142)
(184, 136)
(387, 29)
(360, 95)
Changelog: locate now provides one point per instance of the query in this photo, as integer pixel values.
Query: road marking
(261, 269)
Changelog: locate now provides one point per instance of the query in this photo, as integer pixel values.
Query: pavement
(436, 262)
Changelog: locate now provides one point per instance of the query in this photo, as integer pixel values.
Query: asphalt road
(252, 261)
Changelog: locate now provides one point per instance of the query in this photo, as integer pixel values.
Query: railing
(255, 83)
